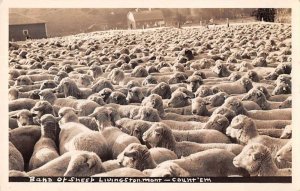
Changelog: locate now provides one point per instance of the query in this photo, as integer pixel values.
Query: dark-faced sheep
(257, 160)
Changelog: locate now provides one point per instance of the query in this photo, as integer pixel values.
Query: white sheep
(241, 86)
(22, 103)
(160, 135)
(257, 160)
(285, 153)
(287, 132)
(244, 131)
(16, 161)
(208, 163)
(73, 163)
(45, 148)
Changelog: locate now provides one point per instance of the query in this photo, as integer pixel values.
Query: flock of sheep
(161, 103)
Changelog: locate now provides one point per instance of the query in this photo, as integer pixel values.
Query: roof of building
(18, 19)
(148, 15)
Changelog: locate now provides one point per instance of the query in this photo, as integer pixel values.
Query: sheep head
(285, 153)
(136, 156)
(135, 95)
(139, 71)
(203, 91)
(194, 82)
(41, 108)
(199, 106)
(68, 114)
(282, 89)
(234, 76)
(258, 97)
(218, 99)
(221, 70)
(105, 93)
(105, 117)
(253, 157)
(117, 98)
(163, 89)
(147, 114)
(24, 117)
(252, 75)
(167, 169)
(235, 104)
(178, 77)
(246, 82)
(287, 132)
(242, 128)
(84, 164)
(159, 135)
(116, 75)
(96, 98)
(264, 90)
(23, 80)
(217, 122)
(179, 99)
(155, 101)
(228, 113)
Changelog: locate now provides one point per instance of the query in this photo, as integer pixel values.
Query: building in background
(22, 27)
(145, 19)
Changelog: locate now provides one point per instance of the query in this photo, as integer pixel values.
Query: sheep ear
(33, 114)
(91, 162)
(14, 116)
(132, 154)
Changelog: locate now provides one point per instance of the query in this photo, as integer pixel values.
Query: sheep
(199, 107)
(179, 99)
(121, 172)
(101, 84)
(257, 160)
(160, 155)
(22, 103)
(24, 117)
(160, 135)
(117, 98)
(24, 140)
(13, 123)
(187, 110)
(76, 136)
(150, 79)
(69, 88)
(41, 108)
(105, 117)
(45, 148)
(162, 89)
(167, 169)
(73, 163)
(23, 80)
(48, 84)
(201, 136)
(287, 132)
(16, 161)
(282, 89)
(194, 82)
(217, 99)
(151, 114)
(276, 98)
(155, 101)
(86, 107)
(228, 113)
(14, 94)
(286, 103)
(117, 140)
(135, 95)
(221, 70)
(276, 114)
(105, 93)
(285, 153)
(244, 131)
(241, 86)
(95, 71)
(210, 163)
(96, 98)
(16, 173)
(258, 97)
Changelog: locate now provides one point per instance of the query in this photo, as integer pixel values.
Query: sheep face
(179, 99)
(234, 104)
(68, 87)
(163, 90)
(154, 101)
(217, 122)
(199, 106)
(218, 99)
(194, 83)
(285, 153)
(48, 84)
(95, 71)
(178, 78)
(246, 82)
(13, 74)
(282, 89)
(287, 132)
(24, 117)
(13, 93)
(134, 156)
(234, 76)
(41, 108)
(252, 75)
(200, 74)
(135, 95)
(155, 135)
(60, 75)
(85, 80)
(284, 79)
(105, 93)
(23, 80)
(68, 114)
(203, 91)
(105, 117)
(118, 98)
(149, 80)
(256, 96)
(228, 113)
(242, 129)
(116, 75)
(221, 70)
(252, 157)
(263, 90)
(133, 83)
(148, 114)
(101, 84)
(84, 164)
(167, 169)
(139, 71)
(96, 98)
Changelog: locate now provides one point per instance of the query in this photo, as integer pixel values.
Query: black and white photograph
(156, 95)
